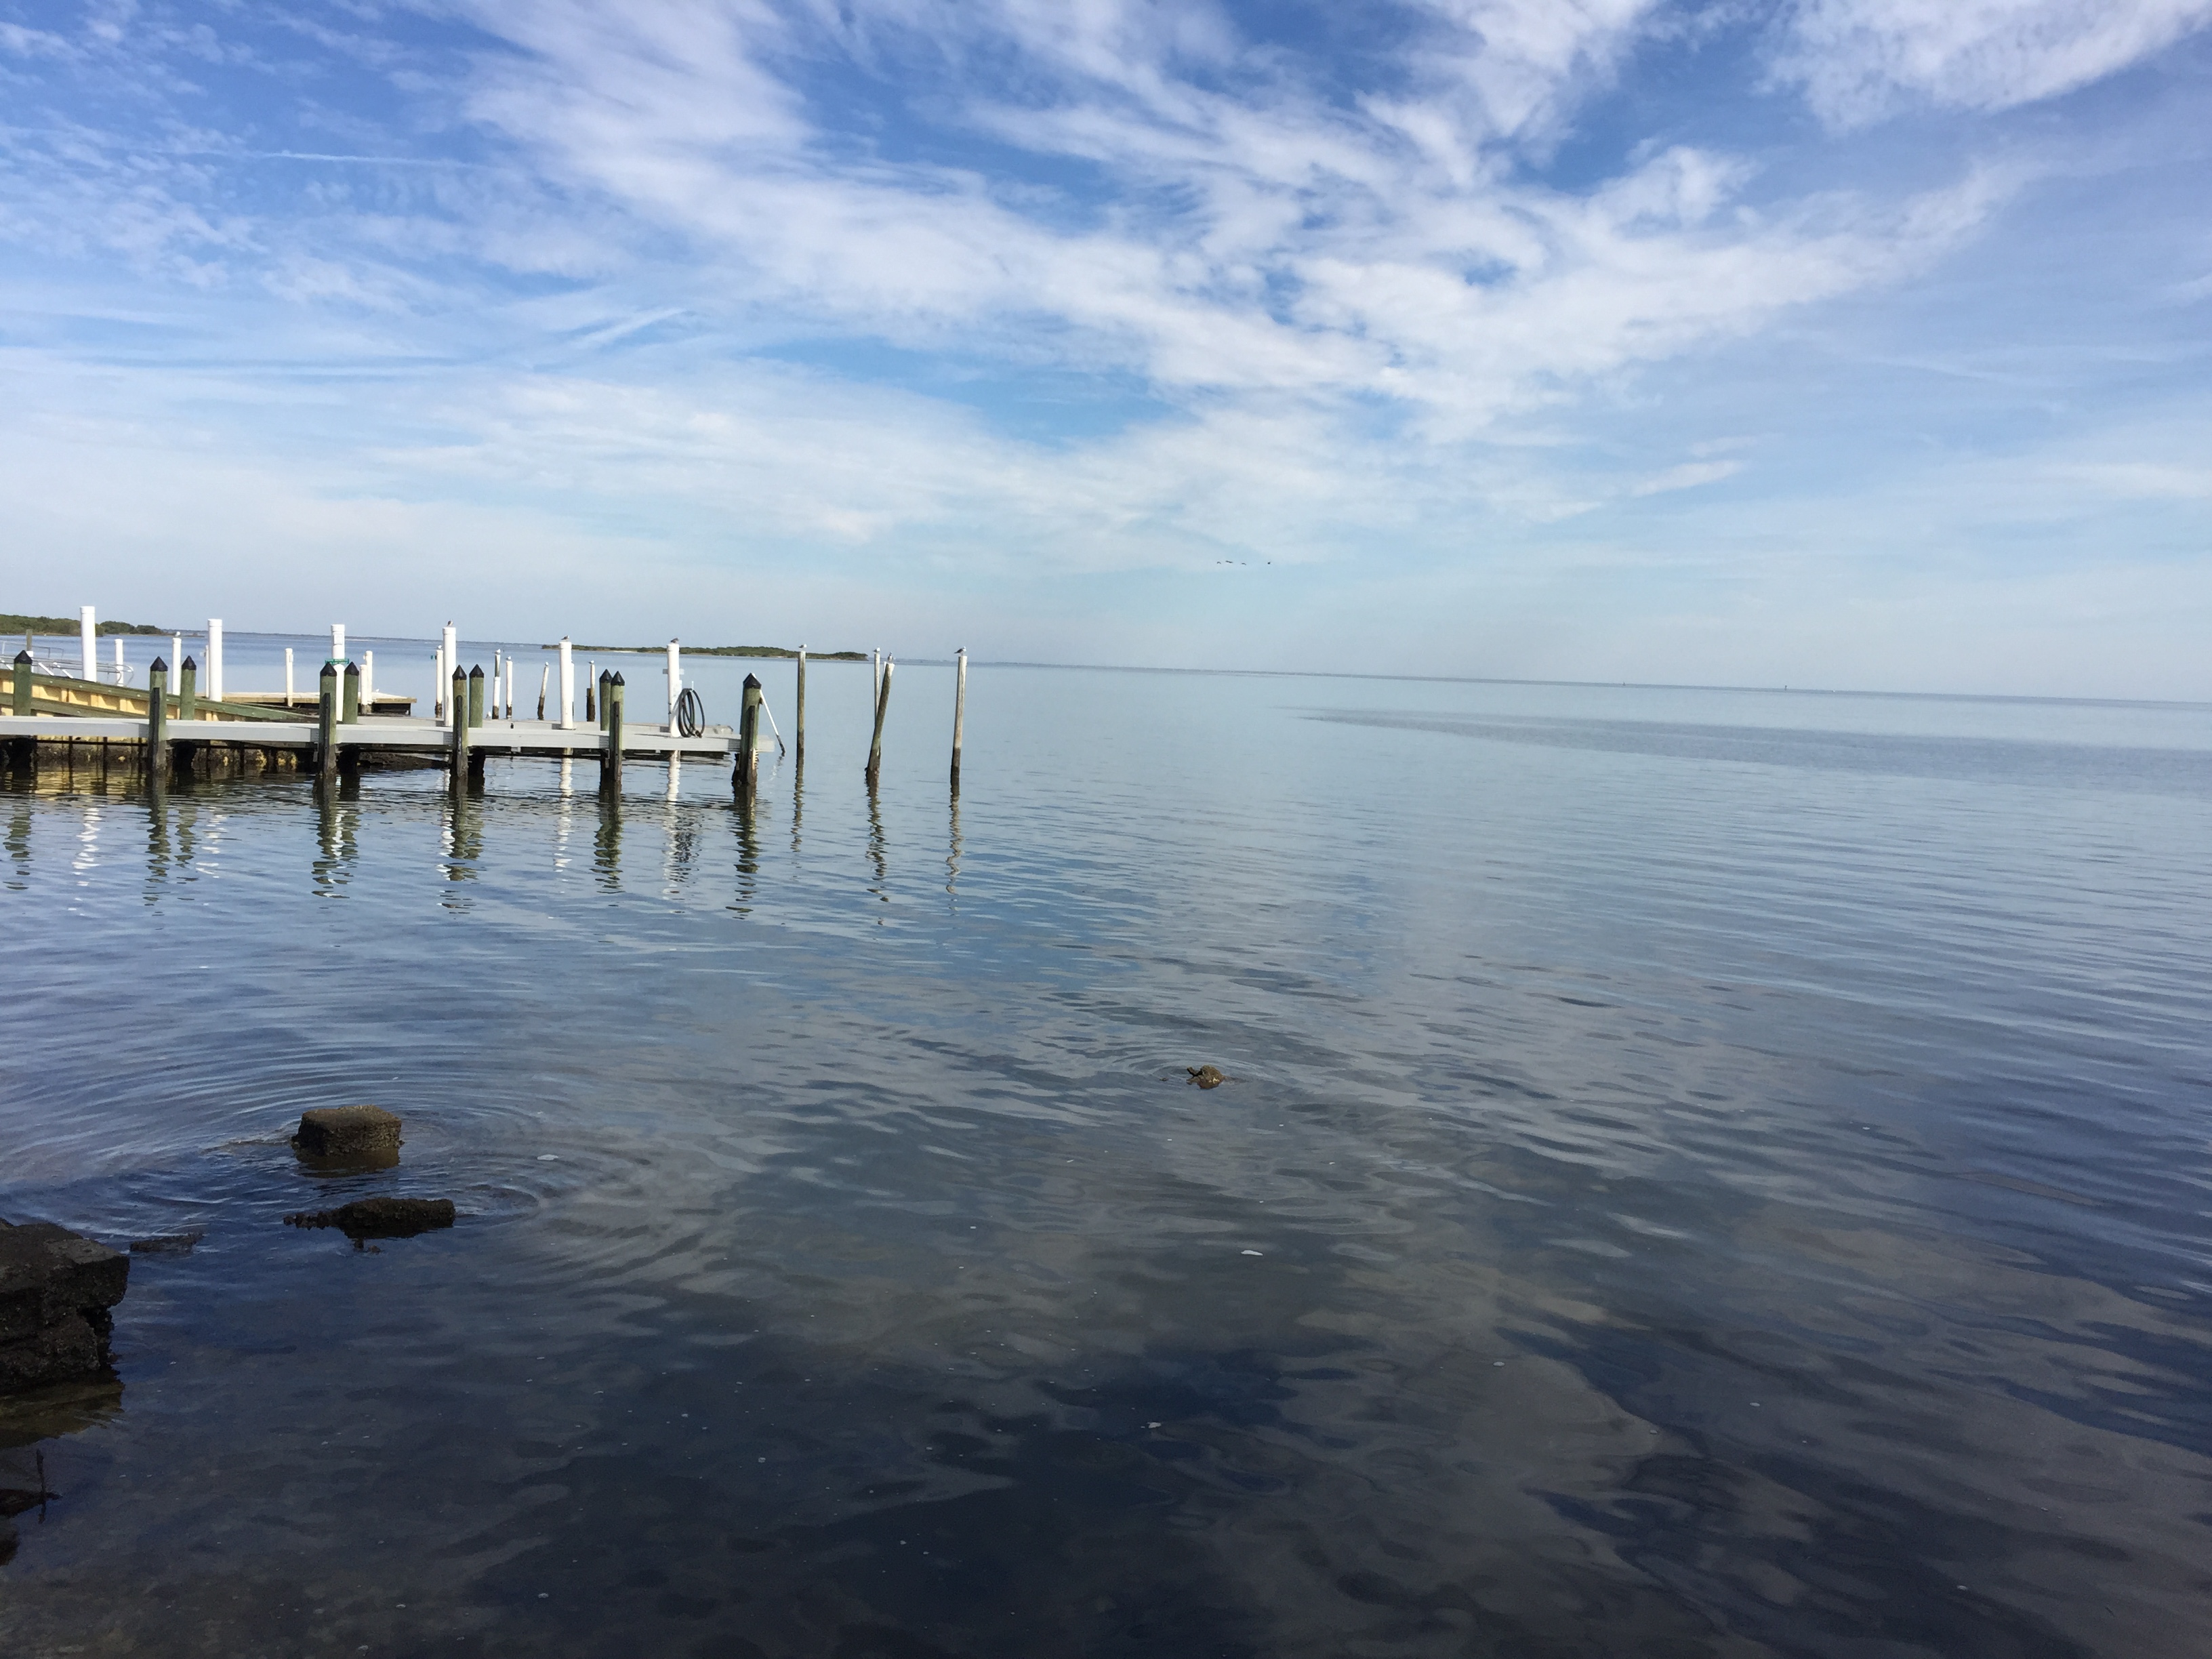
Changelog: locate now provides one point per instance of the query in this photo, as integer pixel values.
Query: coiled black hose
(690, 713)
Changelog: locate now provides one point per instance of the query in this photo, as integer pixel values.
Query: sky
(1840, 343)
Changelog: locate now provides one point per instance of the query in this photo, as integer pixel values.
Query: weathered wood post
(327, 729)
(457, 712)
(350, 697)
(544, 681)
(610, 757)
(606, 674)
(475, 695)
(157, 720)
(959, 711)
(876, 742)
(745, 776)
(21, 702)
(798, 735)
(188, 691)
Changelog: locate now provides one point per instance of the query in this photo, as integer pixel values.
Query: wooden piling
(611, 757)
(745, 776)
(350, 697)
(606, 674)
(157, 721)
(327, 729)
(876, 742)
(959, 711)
(21, 702)
(457, 712)
(545, 682)
(188, 691)
(476, 695)
(798, 735)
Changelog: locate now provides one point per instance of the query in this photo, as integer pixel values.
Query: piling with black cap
(350, 697)
(327, 721)
(188, 691)
(23, 672)
(457, 705)
(475, 696)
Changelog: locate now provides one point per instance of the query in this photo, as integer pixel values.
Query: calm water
(1707, 1173)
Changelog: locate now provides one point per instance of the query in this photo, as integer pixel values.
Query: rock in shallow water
(380, 1218)
(55, 1287)
(346, 1131)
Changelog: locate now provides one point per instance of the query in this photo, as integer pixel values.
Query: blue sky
(1849, 343)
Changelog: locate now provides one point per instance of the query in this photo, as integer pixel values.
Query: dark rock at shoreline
(346, 1131)
(55, 1289)
(379, 1218)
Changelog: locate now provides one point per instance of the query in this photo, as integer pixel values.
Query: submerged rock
(379, 1218)
(1208, 1076)
(167, 1244)
(347, 1132)
(55, 1289)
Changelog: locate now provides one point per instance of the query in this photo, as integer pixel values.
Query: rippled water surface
(1706, 1173)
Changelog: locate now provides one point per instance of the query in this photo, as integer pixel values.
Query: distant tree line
(15, 624)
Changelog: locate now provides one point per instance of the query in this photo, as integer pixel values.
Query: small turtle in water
(1208, 1076)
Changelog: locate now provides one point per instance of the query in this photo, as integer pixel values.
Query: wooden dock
(377, 733)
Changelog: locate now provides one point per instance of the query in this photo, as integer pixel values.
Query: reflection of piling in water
(876, 742)
(606, 841)
(953, 851)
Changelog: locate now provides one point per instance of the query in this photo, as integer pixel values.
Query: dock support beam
(745, 776)
(876, 742)
(327, 723)
(959, 712)
(157, 724)
(611, 757)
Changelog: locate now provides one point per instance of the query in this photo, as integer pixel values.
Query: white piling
(214, 658)
(176, 653)
(568, 685)
(88, 639)
(438, 683)
(544, 678)
(367, 680)
(337, 641)
(287, 676)
(675, 681)
(509, 698)
(493, 712)
(122, 674)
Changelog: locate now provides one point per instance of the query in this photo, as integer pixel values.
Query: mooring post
(798, 735)
(544, 678)
(21, 703)
(675, 683)
(506, 688)
(745, 776)
(568, 684)
(475, 696)
(959, 710)
(350, 697)
(188, 691)
(611, 757)
(157, 720)
(287, 676)
(876, 742)
(457, 714)
(369, 681)
(327, 729)
(605, 675)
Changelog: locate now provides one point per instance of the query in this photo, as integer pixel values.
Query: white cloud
(1858, 59)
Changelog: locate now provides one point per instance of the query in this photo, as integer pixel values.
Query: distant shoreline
(70, 625)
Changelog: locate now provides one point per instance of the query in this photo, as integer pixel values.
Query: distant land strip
(715, 651)
(11, 624)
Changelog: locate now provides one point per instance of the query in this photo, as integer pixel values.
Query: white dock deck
(382, 731)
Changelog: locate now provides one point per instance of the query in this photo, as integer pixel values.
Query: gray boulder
(55, 1289)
